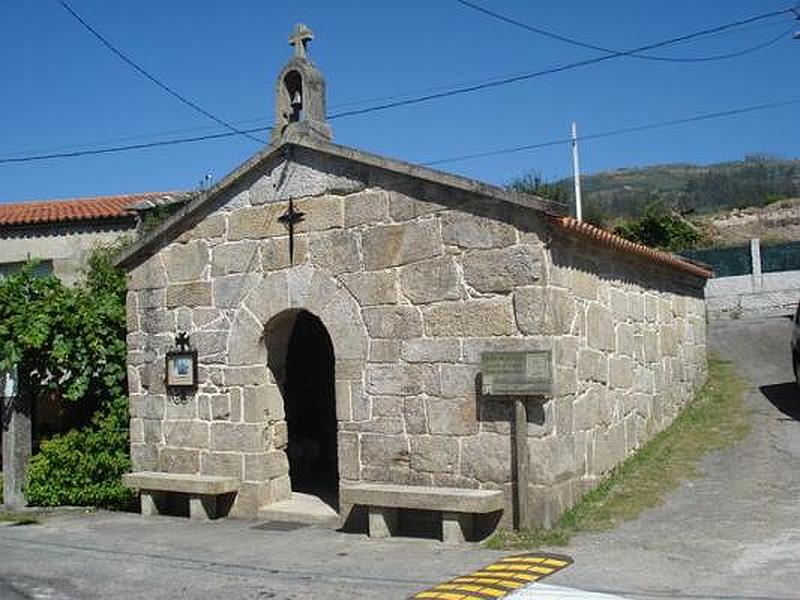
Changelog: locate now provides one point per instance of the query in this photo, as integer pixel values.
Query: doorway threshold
(300, 508)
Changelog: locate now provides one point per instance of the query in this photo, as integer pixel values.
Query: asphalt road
(733, 533)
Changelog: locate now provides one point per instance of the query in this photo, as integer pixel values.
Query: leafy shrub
(68, 343)
(660, 229)
(84, 467)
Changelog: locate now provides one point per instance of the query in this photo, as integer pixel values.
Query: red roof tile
(611, 240)
(75, 209)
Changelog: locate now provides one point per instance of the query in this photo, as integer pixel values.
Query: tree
(69, 343)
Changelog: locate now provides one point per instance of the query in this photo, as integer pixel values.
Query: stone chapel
(337, 305)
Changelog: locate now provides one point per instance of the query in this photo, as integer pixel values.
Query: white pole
(576, 169)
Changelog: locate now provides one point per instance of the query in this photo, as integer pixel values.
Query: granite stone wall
(412, 282)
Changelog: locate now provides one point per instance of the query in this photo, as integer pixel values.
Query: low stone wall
(765, 295)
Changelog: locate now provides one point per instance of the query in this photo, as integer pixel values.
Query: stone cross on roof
(299, 39)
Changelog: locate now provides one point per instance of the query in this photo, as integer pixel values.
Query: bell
(297, 100)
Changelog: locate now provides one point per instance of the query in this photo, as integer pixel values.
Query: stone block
(393, 322)
(178, 460)
(592, 365)
(541, 310)
(186, 262)
(275, 252)
(609, 449)
(566, 351)
(471, 318)
(626, 343)
(186, 434)
(470, 231)
(256, 223)
(415, 416)
(434, 454)
(620, 372)
(193, 294)
(265, 465)
(431, 350)
(220, 407)
(229, 290)
(387, 407)
(180, 410)
(335, 251)
(252, 375)
(234, 257)
(371, 287)
(210, 343)
(599, 328)
(238, 437)
(452, 416)
(320, 213)
(212, 226)
(366, 207)
(431, 281)
(387, 351)
(151, 298)
(652, 351)
(280, 435)
(502, 270)
(248, 348)
(394, 245)
(144, 457)
(148, 275)
(619, 304)
(222, 464)
(406, 208)
(157, 321)
(348, 450)
(458, 381)
(552, 459)
(147, 406)
(262, 403)
(486, 457)
(384, 450)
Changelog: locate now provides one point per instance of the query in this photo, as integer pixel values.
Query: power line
(113, 149)
(582, 44)
(153, 78)
(386, 106)
(558, 68)
(595, 136)
(616, 132)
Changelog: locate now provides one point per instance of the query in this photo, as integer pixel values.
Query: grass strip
(715, 419)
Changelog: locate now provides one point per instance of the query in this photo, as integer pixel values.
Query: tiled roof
(74, 209)
(611, 240)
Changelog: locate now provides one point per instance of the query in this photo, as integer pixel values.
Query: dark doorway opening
(310, 398)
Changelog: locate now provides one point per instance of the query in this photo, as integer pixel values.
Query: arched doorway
(309, 396)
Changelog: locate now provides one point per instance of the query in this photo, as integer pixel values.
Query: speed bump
(498, 579)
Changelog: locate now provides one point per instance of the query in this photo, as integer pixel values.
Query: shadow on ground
(785, 397)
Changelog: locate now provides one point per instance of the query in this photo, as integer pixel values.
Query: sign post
(517, 375)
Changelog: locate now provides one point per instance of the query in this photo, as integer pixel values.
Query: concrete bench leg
(202, 508)
(148, 504)
(456, 527)
(382, 521)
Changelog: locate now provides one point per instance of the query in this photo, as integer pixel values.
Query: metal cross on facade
(290, 218)
(299, 39)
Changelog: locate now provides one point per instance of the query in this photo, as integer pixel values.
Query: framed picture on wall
(181, 369)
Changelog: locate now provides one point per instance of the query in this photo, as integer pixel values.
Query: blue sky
(62, 89)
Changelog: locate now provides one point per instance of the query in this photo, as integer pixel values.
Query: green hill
(608, 196)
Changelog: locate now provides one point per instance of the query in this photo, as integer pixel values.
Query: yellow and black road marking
(498, 579)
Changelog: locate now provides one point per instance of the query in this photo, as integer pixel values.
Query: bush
(84, 467)
(661, 229)
(68, 344)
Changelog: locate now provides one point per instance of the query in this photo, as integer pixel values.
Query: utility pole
(576, 169)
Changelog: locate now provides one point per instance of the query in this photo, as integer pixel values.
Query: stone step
(301, 508)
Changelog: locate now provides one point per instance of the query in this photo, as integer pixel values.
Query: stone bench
(203, 491)
(457, 506)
